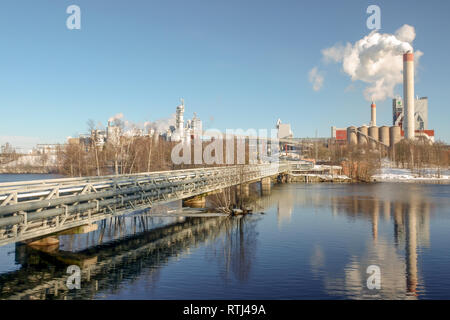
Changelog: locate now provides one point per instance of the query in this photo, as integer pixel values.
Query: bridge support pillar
(266, 185)
(80, 230)
(244, 190)
(195, 202)
(47, 244)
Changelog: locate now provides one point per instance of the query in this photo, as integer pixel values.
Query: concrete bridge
(37, 209)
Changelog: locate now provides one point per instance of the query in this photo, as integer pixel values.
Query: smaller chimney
(373, 118)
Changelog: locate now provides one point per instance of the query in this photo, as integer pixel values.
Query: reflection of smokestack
(408, 94)
(411, 251)
(375, 212)
(373, 118)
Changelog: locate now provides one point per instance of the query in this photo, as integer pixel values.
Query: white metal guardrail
(31, 209)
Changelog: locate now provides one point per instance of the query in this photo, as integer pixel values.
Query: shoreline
(418, 181)
(28, 171)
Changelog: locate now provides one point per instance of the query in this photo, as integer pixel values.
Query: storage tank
(351, 136)
(373, 133)
(362, 134)
(394, 135)
(383, 134)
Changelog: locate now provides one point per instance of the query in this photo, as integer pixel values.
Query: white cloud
(376, 60)
(316, 78)
(406, 33)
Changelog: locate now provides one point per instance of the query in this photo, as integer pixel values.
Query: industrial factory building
(114, 133)
(284, 130)
(410, 118)
(420, 110)
(193, 128)
(420, 116)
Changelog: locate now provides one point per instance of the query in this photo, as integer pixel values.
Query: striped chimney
(408, 94)
(373, 117)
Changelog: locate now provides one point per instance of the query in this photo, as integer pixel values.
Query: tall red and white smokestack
(408, 94)
(373, 115)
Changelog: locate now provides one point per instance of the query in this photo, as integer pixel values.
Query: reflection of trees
(236, 248)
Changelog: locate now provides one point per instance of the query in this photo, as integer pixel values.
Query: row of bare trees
(134, 154)
(361, 162)
(8, 153)
(420, 155)
(130, 155)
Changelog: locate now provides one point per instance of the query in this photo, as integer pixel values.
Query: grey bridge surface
(32, 209)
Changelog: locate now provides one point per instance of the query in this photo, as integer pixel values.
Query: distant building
(420, 113)
(178, 133)
(339, 134)
(71, 140)
(47, 148)
(284, 130)
(420, 117)
(112, 134)
(193, 128)
(98, 137)
(83, 140)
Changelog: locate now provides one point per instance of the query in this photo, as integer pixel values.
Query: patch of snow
(31, 160)
(388, 173)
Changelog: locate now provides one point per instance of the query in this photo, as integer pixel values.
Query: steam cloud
(161, 125)
(130, 128)
(316, 78)
(117, 116)
(376, 60)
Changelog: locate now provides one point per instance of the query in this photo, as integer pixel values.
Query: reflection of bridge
(43, 275)
(39, 208)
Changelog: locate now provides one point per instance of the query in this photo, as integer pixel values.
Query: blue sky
(238, 64)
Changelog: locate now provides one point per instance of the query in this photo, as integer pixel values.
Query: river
(307, 241)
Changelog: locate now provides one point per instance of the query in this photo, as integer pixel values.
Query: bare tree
(93, 128)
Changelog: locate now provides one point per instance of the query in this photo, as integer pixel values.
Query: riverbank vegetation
(420, 156)
(360, 162)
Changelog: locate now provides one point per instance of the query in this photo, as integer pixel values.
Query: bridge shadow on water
(119, 252)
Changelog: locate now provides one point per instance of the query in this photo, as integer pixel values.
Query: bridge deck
(30, 209)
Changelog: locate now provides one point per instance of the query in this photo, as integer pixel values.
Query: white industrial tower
(179, 122)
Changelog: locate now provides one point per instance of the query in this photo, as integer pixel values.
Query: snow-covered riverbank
(387, 174)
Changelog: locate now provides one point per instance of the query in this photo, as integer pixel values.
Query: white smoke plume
(316, 78)
(130, 128)
(160, 126)
(376, 60)
(117, 116)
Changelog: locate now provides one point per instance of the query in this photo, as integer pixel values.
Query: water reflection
(409, 212)
(235, 251)
(104, 266)
(124, 250)
(315, 241)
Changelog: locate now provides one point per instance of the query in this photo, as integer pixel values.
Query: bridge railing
(36, 208)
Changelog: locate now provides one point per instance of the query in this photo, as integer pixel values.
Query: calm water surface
(7, 177)
(314, 241)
